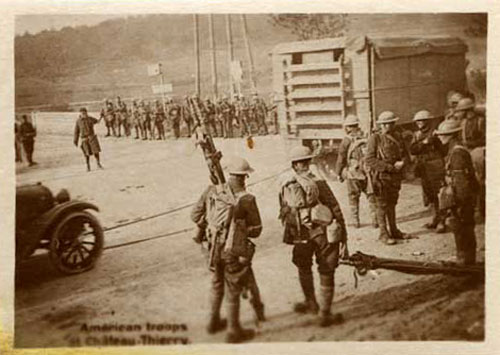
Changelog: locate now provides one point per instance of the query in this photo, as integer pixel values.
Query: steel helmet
(239, 166)
(456, 97)
(387, 117)
(448, 127)
(422, 115)
(351, 120)
(300, 153)
(465, 104)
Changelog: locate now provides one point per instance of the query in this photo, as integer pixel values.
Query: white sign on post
(236, 71)
(154, 69)
(162, 88)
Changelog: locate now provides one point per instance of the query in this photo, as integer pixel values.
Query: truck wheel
(77, 243)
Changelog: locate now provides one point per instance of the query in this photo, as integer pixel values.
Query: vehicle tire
(77, 243)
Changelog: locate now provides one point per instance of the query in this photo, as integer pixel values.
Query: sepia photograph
(238, 178)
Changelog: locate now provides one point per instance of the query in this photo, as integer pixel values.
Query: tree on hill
(312, 26)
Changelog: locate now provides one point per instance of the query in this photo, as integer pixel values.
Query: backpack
(226, 235)
(356, 168)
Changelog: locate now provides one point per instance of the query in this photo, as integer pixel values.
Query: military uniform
(383, 151)
(84, 130)
(242, 110)
(259, 111)
(136, 114)
(159, 115)
(109, 117)
(121, 118)
(299, 194)
(229, 272)
(27, 133)
(351, 167)
(174, 113)
(429, 153)
(145, 115)
(227, 111)
(187, 116)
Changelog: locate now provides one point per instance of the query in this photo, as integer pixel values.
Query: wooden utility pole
(230, 52)
(249, 52)
(197, 54)
(214, 59)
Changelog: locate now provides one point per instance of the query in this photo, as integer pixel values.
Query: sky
(37, 23)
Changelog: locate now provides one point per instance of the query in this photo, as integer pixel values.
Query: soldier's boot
(236, 334)
(310, 305)
(108, 132)
(435, 219)
(384, 236)
(355, 214)
(327, 289)
(373, 210)
(215, 323)
(395, 232)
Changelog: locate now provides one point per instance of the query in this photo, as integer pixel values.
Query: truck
(317, 83)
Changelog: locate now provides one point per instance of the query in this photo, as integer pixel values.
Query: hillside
(87, 63)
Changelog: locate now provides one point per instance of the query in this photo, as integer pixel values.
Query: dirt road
(155, 292)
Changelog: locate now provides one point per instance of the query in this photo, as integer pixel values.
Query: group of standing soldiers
(222, 118)
(449, 160)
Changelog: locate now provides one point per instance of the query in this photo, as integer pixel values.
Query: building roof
(385, 47)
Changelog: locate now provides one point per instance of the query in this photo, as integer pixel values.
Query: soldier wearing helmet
(386, 157)
(429, 153)
(314, 225)
(229, 269)
(209, 120)
(474, 126)
(453, 98)
(108, 113)
(351, 167)
(462, 183)
(159, 119)
(474, 139)
(186, 114)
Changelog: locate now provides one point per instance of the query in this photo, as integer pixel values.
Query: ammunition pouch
(321, 214)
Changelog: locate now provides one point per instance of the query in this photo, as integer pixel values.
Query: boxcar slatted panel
(313, 66)
(315, 93)
(314, 79)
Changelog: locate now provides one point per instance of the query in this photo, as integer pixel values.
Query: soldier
(473, 125)
(474, 139)
(145, 120)
(259, 110)
(219, 117)
(210, 120)
(351, 167)
(108, 112)
(227, 111)
(136, 114)
(229, 270)
(386, 156)
(187, 115)
(453, 98)
(27, 133)
(242, 111)
(301, 196)
(175, 111)
(463, 185)
(121, 117)
(159, 115)
(84, 129)
(430, 165)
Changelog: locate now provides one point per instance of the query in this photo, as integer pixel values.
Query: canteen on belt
(321, 214)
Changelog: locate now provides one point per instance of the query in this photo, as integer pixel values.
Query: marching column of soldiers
(221, 117)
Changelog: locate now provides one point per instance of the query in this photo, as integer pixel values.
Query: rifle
(362, 263)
